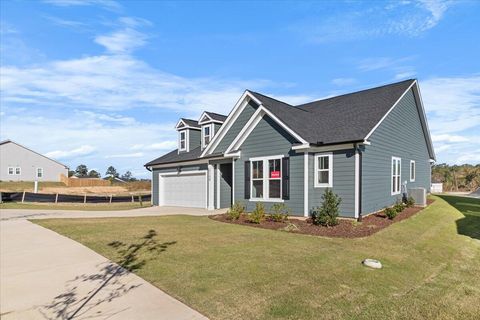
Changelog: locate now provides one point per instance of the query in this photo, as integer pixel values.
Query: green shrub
(235, 211)
(390, 213)
(257, 215)
(399, 206)
(279, 212)
(410, 202)
(327, 213)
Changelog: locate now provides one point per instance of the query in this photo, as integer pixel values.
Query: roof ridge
(271, 98)
(355, 92)
(218, 114)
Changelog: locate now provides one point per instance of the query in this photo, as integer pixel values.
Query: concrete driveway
(47, 276)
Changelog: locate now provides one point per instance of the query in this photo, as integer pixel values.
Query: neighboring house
(364, 145)
(18, 163)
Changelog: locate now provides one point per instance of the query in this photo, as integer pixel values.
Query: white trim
(301, 146)
(305, 184)
(390, 110)
(13, 171)
(205, 114)
(178, 164)
(185, 126)
(316, 184)
(192, 172)
(417, 91)
(218, 186)
(357, 183)
(266, 179)
(414, 171)
(211, 179)
(212, 133)
(232, 155)
(246, 130)
(399, 176)
(180, 140)
(233, 181)
(293, 133)
(333, 147)
(232, 117)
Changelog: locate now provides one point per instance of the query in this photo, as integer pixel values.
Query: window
(396, 175)
(324, 170)
(39, 172)
(11, 171)
(266, 181)
(206, 135)
(412, 171)
(183, 140)
(18, 171)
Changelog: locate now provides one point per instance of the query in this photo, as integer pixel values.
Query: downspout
(360, 185)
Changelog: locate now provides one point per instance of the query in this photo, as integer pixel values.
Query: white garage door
(185, 190)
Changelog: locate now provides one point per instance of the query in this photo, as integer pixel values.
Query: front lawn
(226, 271)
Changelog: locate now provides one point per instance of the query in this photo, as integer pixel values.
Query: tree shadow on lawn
(469, 225)
(107, 282)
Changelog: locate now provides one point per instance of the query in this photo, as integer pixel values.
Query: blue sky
(103, 82)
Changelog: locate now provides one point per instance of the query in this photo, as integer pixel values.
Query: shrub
(327, 213)
(279, 212)
(257, 215)
(390, 213)
(410, 202)
(399, 206)
(235, 211)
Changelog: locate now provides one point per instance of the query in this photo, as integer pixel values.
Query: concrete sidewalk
(47, 276)
(13, 214)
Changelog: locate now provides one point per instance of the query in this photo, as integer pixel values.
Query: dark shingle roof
(344, 118)
(216, 116)
(174, 156)
(191, 123)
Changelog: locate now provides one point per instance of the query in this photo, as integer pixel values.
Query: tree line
(464, 177)
(82, 172)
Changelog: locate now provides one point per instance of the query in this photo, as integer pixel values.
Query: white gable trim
(209, 120)
(253, 122)
(416, 91)
(232, 117)
(185, 125)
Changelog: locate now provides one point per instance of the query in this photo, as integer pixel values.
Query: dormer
(188, 135)
(210, 122)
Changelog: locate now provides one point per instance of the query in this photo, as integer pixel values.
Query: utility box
(419, 195)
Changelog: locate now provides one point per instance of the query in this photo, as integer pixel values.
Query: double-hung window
(324, 170)
(207, 134)
(183, 141)
(396, 175)
(11, 171)
(412, 170)
(39, 172)
(18, 171)
(266, 178)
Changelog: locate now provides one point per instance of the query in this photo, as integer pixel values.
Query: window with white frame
(183, 140)
(18, 171)
(396, 175)
(11, 171)
(266, 178)
(324, 170)
(39, 172)
(412, 170)
(206, 135)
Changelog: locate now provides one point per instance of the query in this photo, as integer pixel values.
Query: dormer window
(183, 141)
(206, 135)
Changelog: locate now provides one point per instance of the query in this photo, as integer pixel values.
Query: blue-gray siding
(343, 181)
(156, 172)
(236, 127)
(194, 139)
(399, 135)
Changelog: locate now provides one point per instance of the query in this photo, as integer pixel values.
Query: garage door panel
(186, 190)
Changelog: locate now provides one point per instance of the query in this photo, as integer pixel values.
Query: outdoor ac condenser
(420, 196)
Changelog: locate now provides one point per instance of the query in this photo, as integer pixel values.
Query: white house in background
(18, 163)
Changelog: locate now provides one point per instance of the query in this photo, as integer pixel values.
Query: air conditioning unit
(419, 195)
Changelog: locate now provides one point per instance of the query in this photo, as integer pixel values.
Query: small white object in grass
(372, 263)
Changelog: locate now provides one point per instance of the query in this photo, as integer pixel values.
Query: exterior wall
(217, 127)
(225, 187)
(156, 172)
(236, 127)
(343, 181)
(13, 155)
(399, 135)
(195, 139)
(269, 139)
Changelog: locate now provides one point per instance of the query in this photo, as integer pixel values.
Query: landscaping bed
(345, 228)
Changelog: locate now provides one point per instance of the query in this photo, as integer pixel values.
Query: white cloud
(164, 145)
(449, 138)
(344, 81)
(122, 41)
(106, 4)
(62, 154)
(125, 155)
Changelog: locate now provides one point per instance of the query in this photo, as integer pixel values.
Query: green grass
(20, 186)
(226, 271)
(73, 206)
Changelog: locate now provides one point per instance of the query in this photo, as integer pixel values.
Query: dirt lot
(140, 187)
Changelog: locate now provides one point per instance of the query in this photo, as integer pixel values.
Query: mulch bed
(345, 228)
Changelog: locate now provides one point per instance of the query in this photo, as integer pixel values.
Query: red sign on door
(275, 174)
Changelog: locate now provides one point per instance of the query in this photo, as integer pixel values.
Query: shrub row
(398, 207)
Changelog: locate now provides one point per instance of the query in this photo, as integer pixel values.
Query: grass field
(431, 265)
(74, 206)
